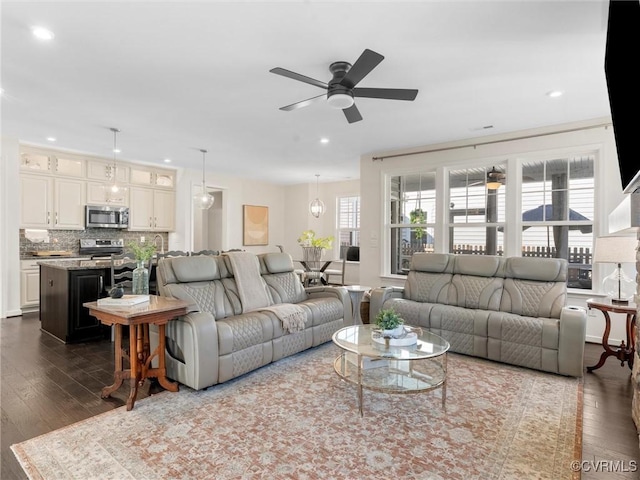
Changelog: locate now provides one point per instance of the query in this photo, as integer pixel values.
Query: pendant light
(317, 207)
(203, 200)
(115, 192)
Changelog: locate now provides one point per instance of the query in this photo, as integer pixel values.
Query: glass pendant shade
(115, 193)
(203, 200)
(316, 207)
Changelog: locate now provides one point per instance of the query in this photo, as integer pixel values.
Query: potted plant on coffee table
(389, 322)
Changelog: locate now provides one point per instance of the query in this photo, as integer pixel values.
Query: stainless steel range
(101, 248)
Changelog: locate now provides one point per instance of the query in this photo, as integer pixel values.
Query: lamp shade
(615, 250)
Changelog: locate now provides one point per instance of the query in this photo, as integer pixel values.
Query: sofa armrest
(379, 296)
(573, 329)
(192, 349)
(337, 292)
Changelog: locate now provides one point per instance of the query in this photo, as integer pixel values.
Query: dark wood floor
(46, 385)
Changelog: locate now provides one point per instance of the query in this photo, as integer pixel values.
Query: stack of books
(124, 301)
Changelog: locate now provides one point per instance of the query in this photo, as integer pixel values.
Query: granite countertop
(77, 264)
(81, 264)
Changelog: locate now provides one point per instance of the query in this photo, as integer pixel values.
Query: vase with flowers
(312, 246)
(143, 252)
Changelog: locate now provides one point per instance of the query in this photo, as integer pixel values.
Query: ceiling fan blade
(365, 63)
(303, 103)
(296, 76)
(386, 93)
(352, 113)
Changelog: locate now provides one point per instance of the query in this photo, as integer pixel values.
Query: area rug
(296, 419)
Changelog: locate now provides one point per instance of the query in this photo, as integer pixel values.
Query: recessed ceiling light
(51, 139)
(555, 93)
(42, 33)
(324, 140)
(167, 160)
(116, 150)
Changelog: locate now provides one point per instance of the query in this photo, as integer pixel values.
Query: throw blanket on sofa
(293, 317)
(251, 288)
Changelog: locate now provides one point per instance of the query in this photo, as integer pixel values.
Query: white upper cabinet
(103, 171)
(69, 167)
(35, 161)
(51, 203)
(152, 177)
(152, 210)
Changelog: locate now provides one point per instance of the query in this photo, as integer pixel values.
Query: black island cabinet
(64, 287)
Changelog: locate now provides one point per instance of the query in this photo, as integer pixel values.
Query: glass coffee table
(378, 366)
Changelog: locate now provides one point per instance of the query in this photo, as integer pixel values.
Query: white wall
(608, 191)
(9, 220)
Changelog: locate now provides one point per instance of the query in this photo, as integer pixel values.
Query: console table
(624, 352)
(158, 312)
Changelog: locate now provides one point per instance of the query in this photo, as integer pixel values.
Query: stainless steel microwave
(102, 216)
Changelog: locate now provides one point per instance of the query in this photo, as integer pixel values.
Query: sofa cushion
(429, 277)
(276, 262)
(464, 328)
(540, 269)
(194, 269)
(533, 299)
(432, 262)
(479, 265)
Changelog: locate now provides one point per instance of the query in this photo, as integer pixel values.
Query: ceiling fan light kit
(341, 89)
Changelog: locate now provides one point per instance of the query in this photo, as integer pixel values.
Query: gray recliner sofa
(511, 310)
(228, 331)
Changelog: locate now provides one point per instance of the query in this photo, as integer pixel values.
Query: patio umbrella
(545, 212)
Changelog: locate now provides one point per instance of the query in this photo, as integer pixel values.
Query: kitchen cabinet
(151, 210)
(51, 203)
(103, 171)
(152, 177)
(36, 161)
(62, 293)
(29, 284)
(98, 194)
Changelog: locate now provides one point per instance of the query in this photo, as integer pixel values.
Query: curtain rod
(474, 145)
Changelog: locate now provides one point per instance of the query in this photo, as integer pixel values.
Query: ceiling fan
(495, 178)
(341, 89)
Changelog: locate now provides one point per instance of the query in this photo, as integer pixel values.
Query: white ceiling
(176, 77)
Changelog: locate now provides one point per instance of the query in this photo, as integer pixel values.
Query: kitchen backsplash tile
(67, 240)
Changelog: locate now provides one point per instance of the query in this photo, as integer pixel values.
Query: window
(412, 222)
(348, 223)
(477, 210)
(557, 213)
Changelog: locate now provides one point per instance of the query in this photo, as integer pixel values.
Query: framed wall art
(255, 227)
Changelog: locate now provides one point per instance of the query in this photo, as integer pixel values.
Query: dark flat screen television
(623, 84)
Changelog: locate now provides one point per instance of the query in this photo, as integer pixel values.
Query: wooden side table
(158, 312)
(624, 352)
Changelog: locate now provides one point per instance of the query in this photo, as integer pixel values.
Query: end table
(625, 352)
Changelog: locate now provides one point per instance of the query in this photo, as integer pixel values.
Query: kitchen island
(64, 286)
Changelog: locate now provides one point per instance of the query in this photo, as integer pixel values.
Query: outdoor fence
(576, 254)
(580, 258)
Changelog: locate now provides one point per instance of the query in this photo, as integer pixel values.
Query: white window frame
(353, 199)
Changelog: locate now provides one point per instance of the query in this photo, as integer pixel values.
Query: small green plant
(308, 239)
(418, 216)
(388, 319)
(143, 251)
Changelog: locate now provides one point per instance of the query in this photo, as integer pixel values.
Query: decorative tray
(407, 338)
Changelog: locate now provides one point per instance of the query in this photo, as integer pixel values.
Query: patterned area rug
(297, 419)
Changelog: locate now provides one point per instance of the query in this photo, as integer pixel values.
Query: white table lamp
(617, 250)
